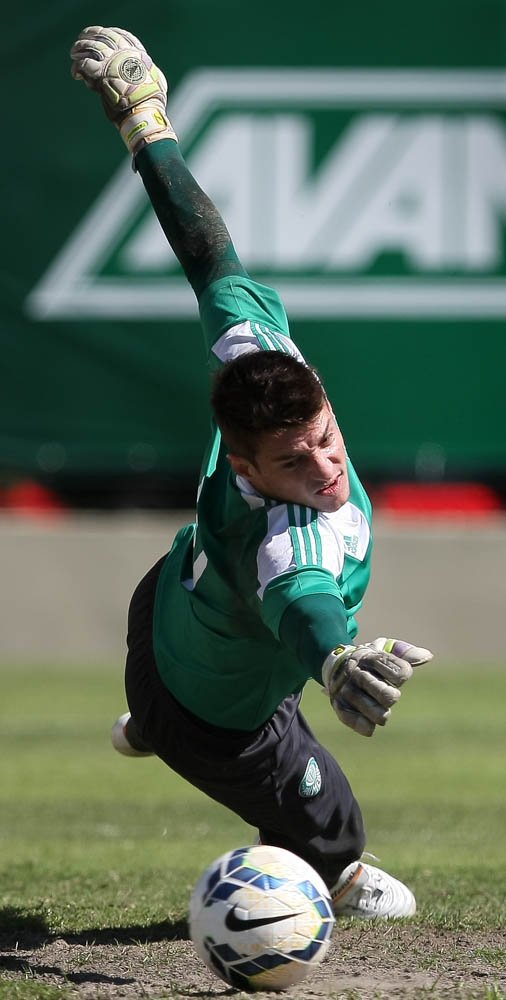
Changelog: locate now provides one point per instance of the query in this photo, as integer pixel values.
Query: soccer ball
(260, 917)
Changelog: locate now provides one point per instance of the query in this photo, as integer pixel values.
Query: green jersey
(232, 576)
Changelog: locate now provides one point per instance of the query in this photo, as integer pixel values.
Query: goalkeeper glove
(363, 681)
(133, 90)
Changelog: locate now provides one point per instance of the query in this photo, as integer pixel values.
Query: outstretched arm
(133, 90)
(189, 219)
(363, 682)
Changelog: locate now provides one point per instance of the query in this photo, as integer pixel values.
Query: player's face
(304, 465)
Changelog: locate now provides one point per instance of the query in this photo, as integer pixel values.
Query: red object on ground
(437, 500)
(31, 499)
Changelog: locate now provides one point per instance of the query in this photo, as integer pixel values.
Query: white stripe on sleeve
(247, 337)
(277, 554)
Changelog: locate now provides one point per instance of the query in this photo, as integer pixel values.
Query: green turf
(94, 841)
(10, 990)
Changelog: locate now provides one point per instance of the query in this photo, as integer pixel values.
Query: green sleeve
(283, 590)
(201, 241)
(238, 299)
(311, 627)
(189, 219)
(305, 611)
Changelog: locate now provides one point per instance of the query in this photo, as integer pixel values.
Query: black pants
(258, 775)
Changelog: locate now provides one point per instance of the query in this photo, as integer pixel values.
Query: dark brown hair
(262, 392)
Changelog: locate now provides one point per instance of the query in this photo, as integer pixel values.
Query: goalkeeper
(260, 594)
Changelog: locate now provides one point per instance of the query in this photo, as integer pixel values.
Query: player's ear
(240, 465)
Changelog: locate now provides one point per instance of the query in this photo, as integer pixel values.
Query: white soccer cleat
(120, 740)
(368, 893)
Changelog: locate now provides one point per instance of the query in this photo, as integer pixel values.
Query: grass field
(98, 848)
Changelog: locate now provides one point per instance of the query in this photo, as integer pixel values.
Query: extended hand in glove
(363, 682)
(115, 63)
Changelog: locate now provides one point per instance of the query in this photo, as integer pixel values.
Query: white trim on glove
(145, 124)
(133, 90)
(363, 682)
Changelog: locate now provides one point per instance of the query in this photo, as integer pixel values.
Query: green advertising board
(358, 154)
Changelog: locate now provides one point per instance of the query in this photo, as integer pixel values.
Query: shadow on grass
(21, 932)
(33, 969)
(24, 930)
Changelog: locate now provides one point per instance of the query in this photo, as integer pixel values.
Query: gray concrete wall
(65, 585)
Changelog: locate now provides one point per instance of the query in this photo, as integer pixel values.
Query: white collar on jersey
(249, 493)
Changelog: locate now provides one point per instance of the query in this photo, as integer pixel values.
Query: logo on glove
(132, 70)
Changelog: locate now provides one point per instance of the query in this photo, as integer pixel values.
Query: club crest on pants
(311, 782)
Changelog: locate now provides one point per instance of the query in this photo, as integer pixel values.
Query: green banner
(360, 162)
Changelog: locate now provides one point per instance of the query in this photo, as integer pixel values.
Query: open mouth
(331, 489)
